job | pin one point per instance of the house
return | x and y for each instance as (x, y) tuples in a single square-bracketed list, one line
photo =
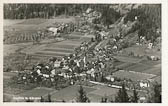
[(91, 72), (53, 29), (39, 72), (88, 10), (110, 78), (144, 84), (150, 45), (57, 63), (53, 72), (153, 58)]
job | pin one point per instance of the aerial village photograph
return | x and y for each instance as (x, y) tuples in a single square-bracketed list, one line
[(82, 53)]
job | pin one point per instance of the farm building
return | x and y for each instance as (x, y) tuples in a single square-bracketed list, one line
[(54, 30)]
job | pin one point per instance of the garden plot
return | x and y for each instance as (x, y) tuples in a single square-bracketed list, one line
[(69, 42), (85, 38), (66, 46), (20, 39), (52, 54), (60, 50), (75, 35)]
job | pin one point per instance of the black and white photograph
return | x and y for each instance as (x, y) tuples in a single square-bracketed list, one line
[(82, 52)]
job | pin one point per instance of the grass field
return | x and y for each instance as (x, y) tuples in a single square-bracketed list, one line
[(127, 59), (134, 76), (154, 70), (69, 93), (8, 75), (37, 92), (33, 21), (138, 67), (94, 93), (58, 49), (150, 63)]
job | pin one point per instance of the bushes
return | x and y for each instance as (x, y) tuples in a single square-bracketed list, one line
[(109, 16)]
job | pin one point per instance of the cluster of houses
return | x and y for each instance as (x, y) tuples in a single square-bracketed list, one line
[(90, 15), (58, 28), (75, 68)]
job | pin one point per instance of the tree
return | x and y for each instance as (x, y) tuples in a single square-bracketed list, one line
[(63, 101), (29, 100), (122, 96), (41, 99), (104, 99), (155, 94), (82, 95), (135, 97), (102, 78), (49, 98), (141, 32), (109, 16)]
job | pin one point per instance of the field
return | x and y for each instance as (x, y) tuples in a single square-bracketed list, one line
[(18, 43), (69, 93), (8, 75), (21, 33), (143, 68), (17, 34), (37, 92), (136, 49), (139, 65), (58, 49), (134, 76), (127, 59), (18, 31), (94, 93)]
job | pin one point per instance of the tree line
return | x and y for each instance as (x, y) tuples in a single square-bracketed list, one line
[(25, 11), (148, 21)]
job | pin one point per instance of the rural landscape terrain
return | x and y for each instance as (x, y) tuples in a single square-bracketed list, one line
[(103, 53)]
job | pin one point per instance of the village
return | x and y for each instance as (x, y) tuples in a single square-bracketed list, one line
[(62, 56)]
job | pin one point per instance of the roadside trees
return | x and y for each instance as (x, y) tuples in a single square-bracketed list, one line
[(135, 97), (82, 95), (155, 94), (122, 96)]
